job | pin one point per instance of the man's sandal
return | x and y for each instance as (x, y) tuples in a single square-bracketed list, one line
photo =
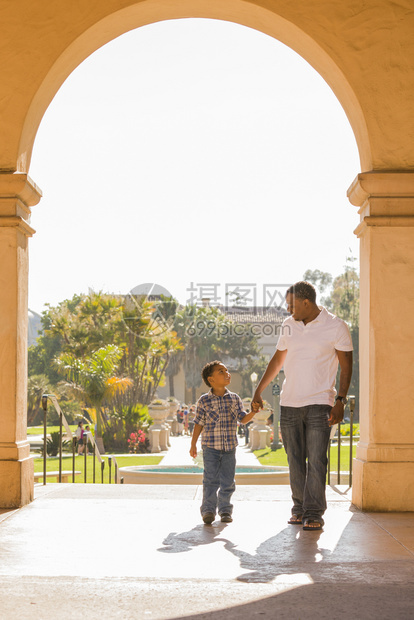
[(312, 524), (295, 520)]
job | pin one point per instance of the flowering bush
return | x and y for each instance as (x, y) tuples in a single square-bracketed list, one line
[(138, 442), (120, 423), (346, 429)]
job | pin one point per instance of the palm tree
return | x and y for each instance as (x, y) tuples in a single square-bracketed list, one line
[(172, 369), (37, 386), (85, 323), (94, 378), (149, 343)]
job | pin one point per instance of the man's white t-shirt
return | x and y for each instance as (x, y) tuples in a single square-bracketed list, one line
[(311, 362)]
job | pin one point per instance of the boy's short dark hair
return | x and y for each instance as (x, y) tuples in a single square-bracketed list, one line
[(208, 371), (303, 290)]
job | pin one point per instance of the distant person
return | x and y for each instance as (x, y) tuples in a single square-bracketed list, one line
[(312, 344), (180, 420), (186, 414), (89, 435), (247, 433), (216, 418), (79, 433), (191, 420)]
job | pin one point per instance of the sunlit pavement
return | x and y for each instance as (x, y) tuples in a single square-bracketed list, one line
[(179, 452), (139, 551)]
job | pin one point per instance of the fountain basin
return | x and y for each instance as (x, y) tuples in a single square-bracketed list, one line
[(191, 474)]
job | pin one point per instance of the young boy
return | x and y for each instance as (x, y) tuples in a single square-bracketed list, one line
[(216, 417)]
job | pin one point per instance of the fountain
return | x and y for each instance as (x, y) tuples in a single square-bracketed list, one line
[(193, 474)]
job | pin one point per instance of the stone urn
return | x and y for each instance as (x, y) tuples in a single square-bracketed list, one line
[(259, 432), (173, 405), (158, 432)]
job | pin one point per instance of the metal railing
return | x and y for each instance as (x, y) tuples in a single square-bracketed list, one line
[(87, 437), (351, 403)]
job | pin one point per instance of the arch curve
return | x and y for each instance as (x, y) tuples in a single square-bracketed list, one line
[(137, 14)]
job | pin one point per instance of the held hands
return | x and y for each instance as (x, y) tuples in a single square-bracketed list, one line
[(254, 408), (257, 403)]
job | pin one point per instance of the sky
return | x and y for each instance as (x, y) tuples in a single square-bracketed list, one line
[(199, 155)]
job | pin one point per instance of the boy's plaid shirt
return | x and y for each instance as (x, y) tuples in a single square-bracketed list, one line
[(218, 415)]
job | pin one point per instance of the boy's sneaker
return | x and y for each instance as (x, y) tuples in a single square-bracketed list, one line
[(208, 518), (226, 517)]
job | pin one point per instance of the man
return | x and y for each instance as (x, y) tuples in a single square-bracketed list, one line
[(312, 343)]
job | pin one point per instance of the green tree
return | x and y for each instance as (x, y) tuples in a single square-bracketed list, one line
[(168, 308), (195, 328), (344, 297), (79, 325), (206, 334), (343, 292), (42, 354), (172, 369), (320, 279), (86, 323), (94, 379), (344, 302), (148, 342)]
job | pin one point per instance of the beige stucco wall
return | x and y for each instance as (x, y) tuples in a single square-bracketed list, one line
[(365, 51)]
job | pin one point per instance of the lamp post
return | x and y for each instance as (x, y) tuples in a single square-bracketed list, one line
[(276, 409), (253, 379), (44, 406)]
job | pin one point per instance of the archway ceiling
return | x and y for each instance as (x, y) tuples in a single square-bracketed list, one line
[(364, 52)]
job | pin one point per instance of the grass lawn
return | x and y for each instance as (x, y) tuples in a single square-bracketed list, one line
[(278, 457), (269, 457), (52, 464), (345, 450)]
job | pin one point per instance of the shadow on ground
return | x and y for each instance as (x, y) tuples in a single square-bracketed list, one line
[(266, 562), (320, 601)]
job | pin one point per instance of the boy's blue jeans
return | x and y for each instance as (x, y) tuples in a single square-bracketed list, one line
[(218, 480), (305, 434)]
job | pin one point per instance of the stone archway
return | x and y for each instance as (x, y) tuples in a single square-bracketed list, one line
[(366, 56), (139, 14)]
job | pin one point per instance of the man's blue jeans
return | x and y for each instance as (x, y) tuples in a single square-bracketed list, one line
[(305, 434), (218, 480)]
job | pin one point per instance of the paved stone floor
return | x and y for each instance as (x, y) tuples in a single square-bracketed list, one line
[(140, 551)]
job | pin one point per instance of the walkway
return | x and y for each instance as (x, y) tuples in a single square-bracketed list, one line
[(139, 551), (179, 453)]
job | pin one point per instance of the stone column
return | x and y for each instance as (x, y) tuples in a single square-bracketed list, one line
[(17, 194), (383, 478)]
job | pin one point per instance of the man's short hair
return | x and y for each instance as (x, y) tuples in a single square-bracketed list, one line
[(208, 371), (303, 290)]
